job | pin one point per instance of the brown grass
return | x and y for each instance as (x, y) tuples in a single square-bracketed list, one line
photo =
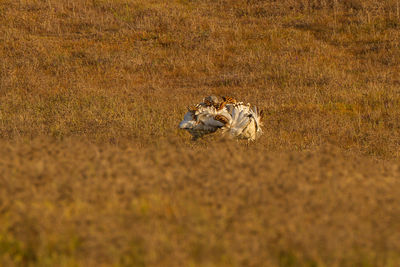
[(93, 170)]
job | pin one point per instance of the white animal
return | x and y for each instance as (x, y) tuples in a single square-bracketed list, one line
[(200, 120), (244, 122), (233, 118)]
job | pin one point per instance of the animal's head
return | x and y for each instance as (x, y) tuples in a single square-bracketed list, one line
[(212, 101)]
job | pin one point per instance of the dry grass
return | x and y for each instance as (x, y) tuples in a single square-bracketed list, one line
[(94, 171)]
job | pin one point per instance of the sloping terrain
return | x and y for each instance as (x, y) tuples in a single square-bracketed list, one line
[(93, 170)]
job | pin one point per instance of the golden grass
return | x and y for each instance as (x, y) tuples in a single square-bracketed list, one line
[(93, 169)]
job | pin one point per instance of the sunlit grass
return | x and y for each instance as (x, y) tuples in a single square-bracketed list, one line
[(93, 169)]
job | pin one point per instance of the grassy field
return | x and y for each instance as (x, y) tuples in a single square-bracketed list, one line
[(94, 172)]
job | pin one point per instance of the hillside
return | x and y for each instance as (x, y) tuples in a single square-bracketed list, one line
[(93, 170)]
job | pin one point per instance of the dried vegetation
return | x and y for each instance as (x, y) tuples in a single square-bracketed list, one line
[(93, 169)]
